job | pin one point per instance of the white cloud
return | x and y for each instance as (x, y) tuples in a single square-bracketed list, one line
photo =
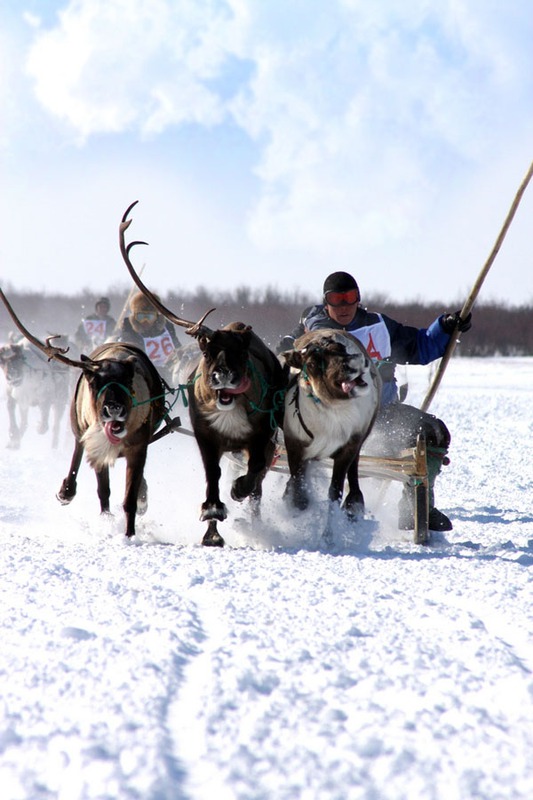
[(370, 121), (120, 64)]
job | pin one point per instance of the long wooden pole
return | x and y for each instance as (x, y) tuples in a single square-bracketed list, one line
[(469, 303)]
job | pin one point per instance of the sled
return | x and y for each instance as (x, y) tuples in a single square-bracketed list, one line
[(409, 467)]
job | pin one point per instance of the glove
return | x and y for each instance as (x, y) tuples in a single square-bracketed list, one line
[(287, 343), (451, 322)]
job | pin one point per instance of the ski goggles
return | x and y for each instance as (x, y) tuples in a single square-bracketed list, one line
[(146, 316), (348, 298)]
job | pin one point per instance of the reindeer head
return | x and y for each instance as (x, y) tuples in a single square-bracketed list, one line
[(11, 362), (225, 362), (112, 391), (333, 363)]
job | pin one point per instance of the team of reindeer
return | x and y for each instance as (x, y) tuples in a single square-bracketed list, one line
[(321, 398)]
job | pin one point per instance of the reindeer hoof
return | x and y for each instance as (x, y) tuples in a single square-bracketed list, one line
[(212, 537), (213, 540), (64, 498), (296, 496), (241, 489), (66, 492), (354, 511)]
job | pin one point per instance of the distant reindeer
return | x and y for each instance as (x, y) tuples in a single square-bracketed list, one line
[(31, 382), (235, 401), (117, 406)]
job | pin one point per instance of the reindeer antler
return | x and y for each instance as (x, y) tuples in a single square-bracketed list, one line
[(195, 329), (50, 351)]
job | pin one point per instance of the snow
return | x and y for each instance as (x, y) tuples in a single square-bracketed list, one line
[(274, 668)]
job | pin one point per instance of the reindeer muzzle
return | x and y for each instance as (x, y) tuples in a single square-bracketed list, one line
[(114, 416), (226, 395)]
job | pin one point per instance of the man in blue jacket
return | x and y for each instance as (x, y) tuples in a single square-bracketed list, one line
[(390, 343)]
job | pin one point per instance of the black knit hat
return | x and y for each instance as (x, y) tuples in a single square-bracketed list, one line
[(340, 282)]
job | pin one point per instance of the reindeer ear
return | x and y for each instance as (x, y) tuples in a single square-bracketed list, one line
[(241, 327), (246, 334), (203, 341), (293, 358)]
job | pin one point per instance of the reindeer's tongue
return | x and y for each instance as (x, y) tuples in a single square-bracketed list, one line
[(111, 429), (243, 386), (347, 386)]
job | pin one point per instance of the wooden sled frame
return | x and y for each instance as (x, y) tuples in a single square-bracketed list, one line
[(409, 467)]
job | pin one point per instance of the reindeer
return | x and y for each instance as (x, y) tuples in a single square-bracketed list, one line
[(235, 399), (32, 383), (117, 406), (330, 407)]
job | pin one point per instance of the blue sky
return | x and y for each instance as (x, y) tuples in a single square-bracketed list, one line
[(268, 144)]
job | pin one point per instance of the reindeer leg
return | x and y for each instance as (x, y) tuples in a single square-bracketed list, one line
[(354, 504), (257, 494), (246, 484), (23, 420), (14, 433), (142, 497), (103, 488), (344, 464), (296, 488), (135, 461), (212, 508), (260, 455), (58, 413), (341, 462), (44, 410), (68, 487)]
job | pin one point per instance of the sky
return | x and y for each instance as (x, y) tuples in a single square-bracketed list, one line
[(275, 668), (268, 144)]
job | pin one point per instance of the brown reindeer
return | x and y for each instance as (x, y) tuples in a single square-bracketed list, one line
[(235, 399), (330, 408), (117, 406)]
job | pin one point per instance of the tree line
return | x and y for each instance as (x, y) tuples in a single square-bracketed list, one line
[(496, 330)]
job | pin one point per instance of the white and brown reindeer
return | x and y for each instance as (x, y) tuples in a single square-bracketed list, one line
[(117, 406), (235, 397), (31, 382), (330, 407)]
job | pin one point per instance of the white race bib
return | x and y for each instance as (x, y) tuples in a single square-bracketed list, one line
[(159, 348), (95, 330), (376, 339)]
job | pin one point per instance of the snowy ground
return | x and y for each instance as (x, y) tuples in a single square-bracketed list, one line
[(272, 669)]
